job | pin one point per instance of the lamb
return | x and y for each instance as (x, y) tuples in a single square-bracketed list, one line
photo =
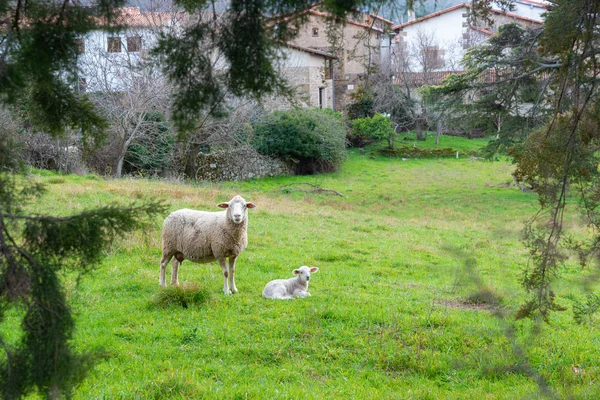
[(289, 288), (202, 237)]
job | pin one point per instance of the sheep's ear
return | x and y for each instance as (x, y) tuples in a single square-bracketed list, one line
[(296, 271), (313, 270), (250, 205), (223, 205)]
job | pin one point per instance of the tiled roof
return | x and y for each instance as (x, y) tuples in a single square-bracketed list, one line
[(481, 30), (387, 21), (311, 51), (464, 5), (132, 17), (348, 21)]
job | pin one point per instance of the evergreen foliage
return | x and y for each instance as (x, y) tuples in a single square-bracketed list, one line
[(34, 251), (361, 105), (311, 141), (555, 142), (152, 152), (501, 75)]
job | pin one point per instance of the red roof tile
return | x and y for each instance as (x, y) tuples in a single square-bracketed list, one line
[(311, 50), (459, 6)]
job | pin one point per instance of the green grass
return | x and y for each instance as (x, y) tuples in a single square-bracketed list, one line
[(462, 144), (399, 309)]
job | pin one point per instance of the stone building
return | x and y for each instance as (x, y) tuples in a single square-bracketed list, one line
[(309, 72), (356, 43)]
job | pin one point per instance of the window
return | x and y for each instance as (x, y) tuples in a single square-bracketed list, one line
[(321, 97), (114, 44), (134, 44), (328, 68), (315, 32), (79, 46)]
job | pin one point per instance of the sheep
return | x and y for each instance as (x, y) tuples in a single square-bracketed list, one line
[(289, 288), (202, 237)]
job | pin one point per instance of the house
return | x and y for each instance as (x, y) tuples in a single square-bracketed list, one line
[(310, 73), (356, 43), (533, 9), (108, 59), (430, 47)]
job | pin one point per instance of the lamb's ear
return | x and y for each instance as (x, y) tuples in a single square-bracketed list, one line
[(223, 205), (250, 205), (313, 270), (296, 271)]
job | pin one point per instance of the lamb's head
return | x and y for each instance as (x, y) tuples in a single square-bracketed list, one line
[(237, 209), (304, 273)]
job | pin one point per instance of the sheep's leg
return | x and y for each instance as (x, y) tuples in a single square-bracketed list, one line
[(232, 274), (163, 268), (223, 264), (175, 272), (301, 293)]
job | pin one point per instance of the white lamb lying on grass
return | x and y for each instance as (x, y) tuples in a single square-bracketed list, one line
[(290, 288)]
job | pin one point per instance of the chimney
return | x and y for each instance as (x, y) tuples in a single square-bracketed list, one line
[(411, 15)]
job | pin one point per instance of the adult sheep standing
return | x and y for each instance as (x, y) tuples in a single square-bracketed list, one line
[(202, 237)]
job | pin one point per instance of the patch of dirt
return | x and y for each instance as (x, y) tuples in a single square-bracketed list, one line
[(463, 305)]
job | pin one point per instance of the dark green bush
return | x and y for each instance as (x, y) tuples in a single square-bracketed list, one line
[(152, 151), (310, 141), (361, 105)]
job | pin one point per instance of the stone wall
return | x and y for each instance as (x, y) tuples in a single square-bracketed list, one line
[(306, 81), (237, 165)]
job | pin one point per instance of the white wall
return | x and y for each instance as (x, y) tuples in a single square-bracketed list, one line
[(447, 32), (528, 10), (110, 71)]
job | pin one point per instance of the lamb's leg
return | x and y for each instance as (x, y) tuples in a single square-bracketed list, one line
[(301, 293), (163, 268), (175, 272), (223, 264), (232, 274)]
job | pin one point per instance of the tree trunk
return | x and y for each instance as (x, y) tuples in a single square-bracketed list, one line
[(419, 130), (119, 170), (439, 132), (499, 128), (120, 159), (191, 156)]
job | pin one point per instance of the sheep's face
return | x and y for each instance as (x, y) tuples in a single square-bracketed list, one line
[(237, 209), (304, 272)]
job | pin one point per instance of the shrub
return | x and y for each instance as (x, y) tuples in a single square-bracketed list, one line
[(310, 141), (376, 128), (151, 153), (361, 105)]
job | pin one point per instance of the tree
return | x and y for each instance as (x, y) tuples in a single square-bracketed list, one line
[(498, 85), (559, 160), (126, 90), (34, 251)]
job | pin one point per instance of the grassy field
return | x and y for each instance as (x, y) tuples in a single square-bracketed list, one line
[(392, 315)]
